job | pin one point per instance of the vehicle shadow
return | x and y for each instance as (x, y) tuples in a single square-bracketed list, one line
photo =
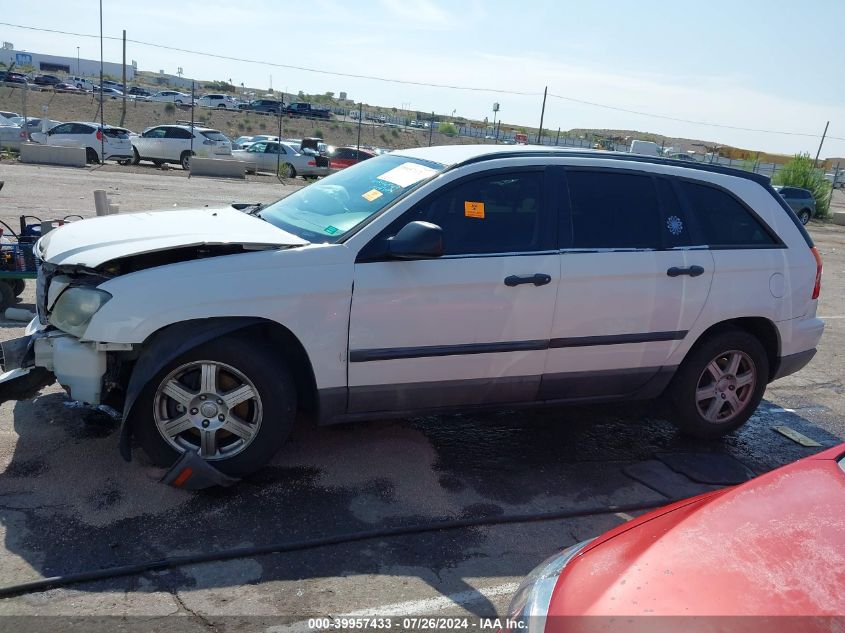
[(69, 503)]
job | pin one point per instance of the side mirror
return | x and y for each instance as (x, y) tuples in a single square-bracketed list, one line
[(416, 240)]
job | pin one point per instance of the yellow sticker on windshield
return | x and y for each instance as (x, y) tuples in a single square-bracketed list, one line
[(372, 194), (474, 210)]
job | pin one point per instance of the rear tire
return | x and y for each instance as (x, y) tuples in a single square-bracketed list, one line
[(805, 216), (720, 384), (91, 155), (286, 170), (239, 363), (158, 163)]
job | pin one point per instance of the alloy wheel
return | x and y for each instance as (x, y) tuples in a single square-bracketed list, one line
[(207, 407), (726, 386)]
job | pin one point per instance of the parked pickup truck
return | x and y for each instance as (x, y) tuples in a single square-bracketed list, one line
[(301, 108)]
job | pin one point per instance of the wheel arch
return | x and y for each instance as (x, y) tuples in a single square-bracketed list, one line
[(168, 343), (763, 329)]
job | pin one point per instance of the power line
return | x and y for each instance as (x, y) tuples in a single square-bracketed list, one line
[(693, 121), (424, 84)]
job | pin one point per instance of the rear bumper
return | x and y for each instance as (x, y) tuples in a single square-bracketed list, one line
[(793, 363), (799, 339)]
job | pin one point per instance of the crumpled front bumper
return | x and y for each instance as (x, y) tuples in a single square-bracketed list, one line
[(79, 367), (20, 378)]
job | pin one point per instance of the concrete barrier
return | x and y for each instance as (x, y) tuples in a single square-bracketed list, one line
[(52, 155), (218, 167), (839, 217)]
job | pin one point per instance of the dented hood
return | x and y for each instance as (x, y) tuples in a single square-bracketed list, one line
[(90, 243)]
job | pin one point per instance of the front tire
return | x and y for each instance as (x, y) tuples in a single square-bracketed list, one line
[(250, 390), (136, 157), (720, 384), (185, 160)]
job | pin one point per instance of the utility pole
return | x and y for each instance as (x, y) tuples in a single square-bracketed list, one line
[(557, 140), (542, 114), (102, 113), (279, 149), (360, 118), (123, 109), (816, 162), (192, 127), (431, 128), (78, 73), (833, 186)]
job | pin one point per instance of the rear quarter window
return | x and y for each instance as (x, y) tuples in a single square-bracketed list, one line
[(722, 219), (214, 135)]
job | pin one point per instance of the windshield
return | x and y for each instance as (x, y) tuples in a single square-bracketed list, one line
[(329, 208)]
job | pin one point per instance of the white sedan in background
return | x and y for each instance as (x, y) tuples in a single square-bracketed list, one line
[(171, 96), (11, 133), (225, 102), (268, 155)]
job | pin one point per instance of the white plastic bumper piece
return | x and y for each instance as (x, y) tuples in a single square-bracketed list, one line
[(78, 367)]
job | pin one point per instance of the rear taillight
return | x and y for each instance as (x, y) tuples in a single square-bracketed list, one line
[(312, 163), (99, 135), (817, 288)]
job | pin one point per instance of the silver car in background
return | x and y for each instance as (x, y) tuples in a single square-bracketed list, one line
[(270, 155)]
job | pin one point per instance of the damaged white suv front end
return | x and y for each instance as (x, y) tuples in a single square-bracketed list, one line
[(73, 287)]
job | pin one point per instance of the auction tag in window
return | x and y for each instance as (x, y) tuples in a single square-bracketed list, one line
[(474, 210), (372, 194), (407, 174)]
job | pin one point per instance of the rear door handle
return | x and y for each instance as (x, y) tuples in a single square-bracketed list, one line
[(692, 271), (538, 279)]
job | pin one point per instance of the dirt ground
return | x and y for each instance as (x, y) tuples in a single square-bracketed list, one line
[(69, 503)]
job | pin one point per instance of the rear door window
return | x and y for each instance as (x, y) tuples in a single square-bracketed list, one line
[(722, 219), (613, 210), (177, 132), (64, 128)]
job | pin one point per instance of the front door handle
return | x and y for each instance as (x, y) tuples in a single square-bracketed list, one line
[(538, 279), (692, 271)]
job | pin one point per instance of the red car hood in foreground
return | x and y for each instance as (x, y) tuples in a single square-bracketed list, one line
[(772, 546)]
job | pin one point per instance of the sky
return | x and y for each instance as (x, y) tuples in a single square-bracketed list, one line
[(773, 65)]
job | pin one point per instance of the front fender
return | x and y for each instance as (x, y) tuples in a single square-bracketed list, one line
[(165, 346)]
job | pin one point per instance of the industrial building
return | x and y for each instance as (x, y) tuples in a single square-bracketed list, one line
[(58, 65)]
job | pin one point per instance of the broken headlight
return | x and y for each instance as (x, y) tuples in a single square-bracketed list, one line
[(75, 307)]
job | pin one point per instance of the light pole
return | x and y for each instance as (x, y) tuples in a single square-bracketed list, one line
[(77, 62)]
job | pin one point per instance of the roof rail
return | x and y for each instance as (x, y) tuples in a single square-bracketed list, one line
[(633, 158)]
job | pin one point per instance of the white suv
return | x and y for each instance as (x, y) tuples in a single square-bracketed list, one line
[(428, 280), (218, 101), (176, 144), (112, 143)]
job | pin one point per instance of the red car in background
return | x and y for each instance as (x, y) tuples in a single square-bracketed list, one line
[(343, 157), (773, 546)]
